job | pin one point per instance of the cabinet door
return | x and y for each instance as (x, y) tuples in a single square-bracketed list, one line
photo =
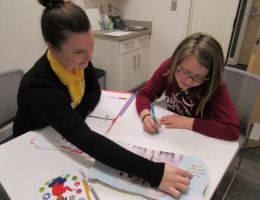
[(134, 67), (141, 70), (128, 66)]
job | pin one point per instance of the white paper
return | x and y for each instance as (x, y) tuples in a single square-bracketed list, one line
[(110, 104), (133, 133)]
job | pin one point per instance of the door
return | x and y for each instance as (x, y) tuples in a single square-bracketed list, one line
[(250, 33), (254, 62), (254, 67)]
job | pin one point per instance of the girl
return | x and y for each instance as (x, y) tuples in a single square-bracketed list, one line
[(194, 90)]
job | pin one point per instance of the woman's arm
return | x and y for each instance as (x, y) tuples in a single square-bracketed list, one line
[(54, 106)]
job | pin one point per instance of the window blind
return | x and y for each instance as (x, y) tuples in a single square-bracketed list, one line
[(215, 18)]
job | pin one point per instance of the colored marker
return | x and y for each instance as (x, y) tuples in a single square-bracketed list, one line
[(153, 113), (85, 184)]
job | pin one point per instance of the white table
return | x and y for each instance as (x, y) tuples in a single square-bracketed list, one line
[(216, 154), (23, 165)]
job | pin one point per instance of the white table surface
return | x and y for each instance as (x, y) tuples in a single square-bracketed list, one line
[(23, 166)]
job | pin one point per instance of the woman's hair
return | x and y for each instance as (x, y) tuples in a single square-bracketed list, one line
[(210, 55), (60, 18)]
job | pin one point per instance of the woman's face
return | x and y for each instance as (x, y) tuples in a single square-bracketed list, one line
[(190, 73), (77, 50)]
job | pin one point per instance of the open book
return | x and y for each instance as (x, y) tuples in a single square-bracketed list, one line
[(134, 185)]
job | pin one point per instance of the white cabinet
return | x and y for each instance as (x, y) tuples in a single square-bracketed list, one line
[(125, 62)]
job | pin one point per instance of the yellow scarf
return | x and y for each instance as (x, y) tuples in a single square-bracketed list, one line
[(74, 81)]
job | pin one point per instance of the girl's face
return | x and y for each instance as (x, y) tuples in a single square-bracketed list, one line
[(77, 51), (190, 73)]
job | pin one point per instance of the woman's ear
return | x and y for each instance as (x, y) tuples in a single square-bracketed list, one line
[(50, 46)]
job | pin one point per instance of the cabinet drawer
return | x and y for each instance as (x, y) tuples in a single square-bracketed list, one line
[(134, 43)]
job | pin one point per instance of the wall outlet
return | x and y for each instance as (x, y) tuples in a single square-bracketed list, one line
[(109, 5), (173, 5)]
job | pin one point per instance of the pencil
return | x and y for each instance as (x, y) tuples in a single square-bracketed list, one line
[(86, 187), (85, 184)]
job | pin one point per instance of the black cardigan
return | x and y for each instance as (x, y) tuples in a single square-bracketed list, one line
[(44, 100)]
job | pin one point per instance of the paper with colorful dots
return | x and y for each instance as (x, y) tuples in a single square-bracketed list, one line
[(67, 186)]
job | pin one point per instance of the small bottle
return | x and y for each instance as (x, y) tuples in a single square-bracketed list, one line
[(106, 21), (110, 24)]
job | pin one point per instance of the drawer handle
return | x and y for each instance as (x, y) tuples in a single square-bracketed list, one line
[(138, 55), (134, 57), (143, 40)]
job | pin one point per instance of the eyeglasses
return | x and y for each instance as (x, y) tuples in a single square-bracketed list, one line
[(186, 74)]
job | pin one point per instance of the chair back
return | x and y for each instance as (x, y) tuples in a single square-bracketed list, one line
[(9, 84), (243, 88)]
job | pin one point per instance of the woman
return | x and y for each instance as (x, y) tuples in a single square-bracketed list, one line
[(61, 89), (194, 90)]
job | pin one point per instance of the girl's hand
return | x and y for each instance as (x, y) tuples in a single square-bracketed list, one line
[(177, 121), (149, 125), (175, 181)]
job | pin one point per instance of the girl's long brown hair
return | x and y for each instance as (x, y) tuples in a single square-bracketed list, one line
[(210, 55)]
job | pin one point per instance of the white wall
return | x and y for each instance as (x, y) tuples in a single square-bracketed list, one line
[(169, 27), (21, 42), (20, 35)]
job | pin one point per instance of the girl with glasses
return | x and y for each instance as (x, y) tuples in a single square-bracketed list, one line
[(192, 81)]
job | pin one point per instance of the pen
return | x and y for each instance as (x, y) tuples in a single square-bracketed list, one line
[(153, 113), (94, 192), (111, 125), (105, 118)]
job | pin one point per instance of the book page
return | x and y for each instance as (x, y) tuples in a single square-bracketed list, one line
[(137, 186)]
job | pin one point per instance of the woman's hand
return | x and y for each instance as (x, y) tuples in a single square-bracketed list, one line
[(175, 181), (149, 125), (177, 121)]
